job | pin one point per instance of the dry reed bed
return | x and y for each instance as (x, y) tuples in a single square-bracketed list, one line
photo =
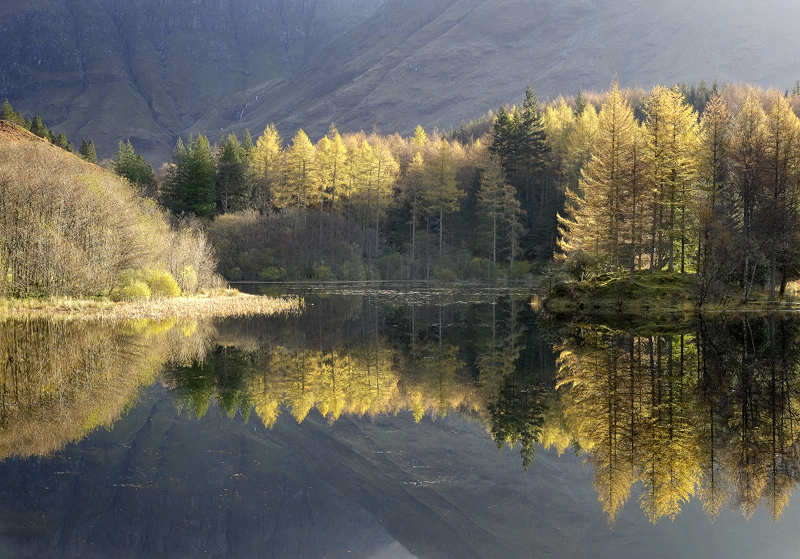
[(216, 306)]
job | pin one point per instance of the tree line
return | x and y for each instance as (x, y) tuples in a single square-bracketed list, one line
[(36, 127), (362, 205), (695, 179), (713, 194)]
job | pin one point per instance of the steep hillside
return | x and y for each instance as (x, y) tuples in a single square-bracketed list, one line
[(148, 70), (154, 70)]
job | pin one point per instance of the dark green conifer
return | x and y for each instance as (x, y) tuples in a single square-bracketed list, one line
[(37, 127), (88, 152), (233, 184), (247, 142), (62, 141), (189, 184), (580, 102), (132, 166), (7, 113)]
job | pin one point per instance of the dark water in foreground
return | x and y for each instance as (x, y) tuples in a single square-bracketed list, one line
[(391, 425)]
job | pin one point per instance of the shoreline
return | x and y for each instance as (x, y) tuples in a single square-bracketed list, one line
[(229, 304)]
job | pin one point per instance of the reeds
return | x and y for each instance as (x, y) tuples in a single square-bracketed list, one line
[(217, 303)]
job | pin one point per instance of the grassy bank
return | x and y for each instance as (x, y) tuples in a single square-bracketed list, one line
[(212, 304), (652, 293), (654, 296)]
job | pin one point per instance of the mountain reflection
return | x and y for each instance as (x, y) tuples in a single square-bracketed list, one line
[(704, 414)]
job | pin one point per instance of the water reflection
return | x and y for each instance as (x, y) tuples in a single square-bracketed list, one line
[(706, 414), (709, 414), (60, 380)]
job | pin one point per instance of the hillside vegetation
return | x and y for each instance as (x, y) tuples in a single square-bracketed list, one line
[(70, 228)]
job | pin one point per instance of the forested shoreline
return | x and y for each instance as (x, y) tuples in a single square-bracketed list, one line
[(696, 180)]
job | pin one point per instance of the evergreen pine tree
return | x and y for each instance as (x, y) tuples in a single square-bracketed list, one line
[(190, 178), (37, 127), (7, 113), (132, 166), (247, 142), (88, 152), (503, 144), (580, 102), (62, 141), (233, 184)]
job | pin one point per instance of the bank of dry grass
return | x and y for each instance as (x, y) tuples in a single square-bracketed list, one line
[(218, 303)]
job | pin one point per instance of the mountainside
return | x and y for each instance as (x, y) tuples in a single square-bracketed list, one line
[(153, 70)]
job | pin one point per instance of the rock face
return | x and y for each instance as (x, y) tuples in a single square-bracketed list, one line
[(153, 70)]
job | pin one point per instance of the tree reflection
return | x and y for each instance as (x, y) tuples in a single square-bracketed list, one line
[(60, 380), (710, 414)]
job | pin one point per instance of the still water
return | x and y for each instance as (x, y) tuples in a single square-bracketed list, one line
[(399, 424)]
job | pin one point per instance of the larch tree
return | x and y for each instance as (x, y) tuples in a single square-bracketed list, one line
[(748, 160), (782, 127), (598, 213), (415, 186), (332, 155), (302, 172), (672, 144), (384, 174), (419, 140), (559, 122), (714, 227), (443, 195), (267, 168), (579, 143)]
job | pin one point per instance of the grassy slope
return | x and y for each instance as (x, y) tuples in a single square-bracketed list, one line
[(659, 296)]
